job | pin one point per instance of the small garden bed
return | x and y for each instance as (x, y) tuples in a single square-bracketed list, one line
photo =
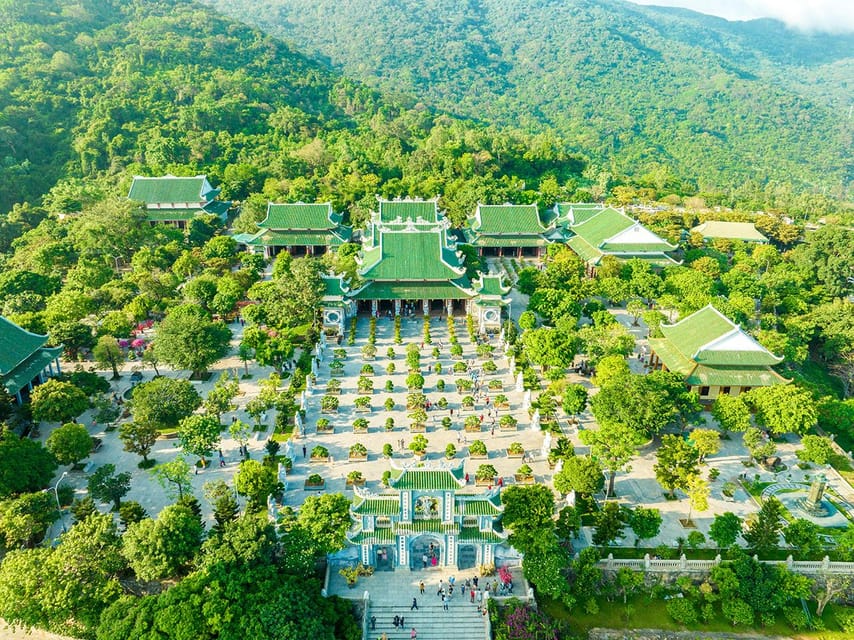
[(324, 426), (314, 482)]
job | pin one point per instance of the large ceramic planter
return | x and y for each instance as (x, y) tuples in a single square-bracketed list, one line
[(353, 458), (318, 459), (515, 455), (314, 487), (526, 479)]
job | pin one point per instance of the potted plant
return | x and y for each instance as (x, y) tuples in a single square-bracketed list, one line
[(388, 450), (386, 478), (442, 403), (419, 420), (369, 351), (501, 401), (468, 402), (350, 575), (390, 369), (414, 382), (390, 354), (389, 404), (333, 387), (336, 368), (450, 451), (456, 351), (319, 454), (496, 385), (358, 452), (360, 425), (460, 368), (524, 475), (507, 423), (435, 352), (389, 424), (438, 368), (416, 401), (351, 335), (464, 385), (440, 384), (367, 370), (355, 478), (389, 386), (339, 354), (472, 424), (418, 446), (484, 350), (477, 449), (314, 482), (363, 404), (365, 386), (329, 404), (515, 450), (485, 474), (489, 366), (446, 422), (324, 426)]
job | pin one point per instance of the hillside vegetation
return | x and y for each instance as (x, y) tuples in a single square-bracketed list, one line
[(642, 90)]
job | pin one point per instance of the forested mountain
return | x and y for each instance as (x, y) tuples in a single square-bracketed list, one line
[(641, 89)]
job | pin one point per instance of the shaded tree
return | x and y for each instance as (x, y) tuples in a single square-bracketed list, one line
[(161, 548), (57, 401), (108, 486), (69, 443), (108, 355), (188, 339)]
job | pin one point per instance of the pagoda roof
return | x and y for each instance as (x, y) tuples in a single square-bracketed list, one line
[(473, 534), (21, 375), (709, 338), (16, 345), (611, 230), (334, 286), (508, 219), (377, 505), (300, 216), (380, 535), (745, 231), (171, 189), (427, 478), (458, 289), (577, 212), (408, 210), (479, 505), (277, 238), (168, 214), (508, 241), (411, 254), (491, 286)]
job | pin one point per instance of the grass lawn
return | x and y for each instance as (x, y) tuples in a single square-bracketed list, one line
[(643, 612)]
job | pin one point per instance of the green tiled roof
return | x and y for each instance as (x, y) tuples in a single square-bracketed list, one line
[(696, 330), (427, 526), (671, 357), (735, 358), (745, 231), (580, 211), (168, 215), (16, 345), (414, 291), (379, 506), (477, 508), (245, 238), (334, 286), (734, 376), (584, 249), (217, 207), (408, 210), (411, 255), (508, 219), (603, 225), (639, 248), (491, 286), (300, 216), (377, 536), (427, 479), (21, 376), (509, 241), (653, 259), (473, 534), (271, 238), (168, 189)]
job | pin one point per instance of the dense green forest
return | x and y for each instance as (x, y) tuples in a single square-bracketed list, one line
[(642, 90)]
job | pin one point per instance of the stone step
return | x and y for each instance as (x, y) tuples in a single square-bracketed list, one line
[(461, 622)]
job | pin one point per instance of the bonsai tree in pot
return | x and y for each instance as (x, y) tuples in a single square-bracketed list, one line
[(418, 446), (333, 387), (507, 423), (435, 352), (416, 401), (489, 366), (460, 367), (496, 385), (438, 368), (355, 478), (358, 451), (360, 425), (501, 401), (477, 449), (319, 452), (390, 369), (314, 480), (329, 404), (440, 384), (524, 474), (515, 450), (468, 402), (323, 424), (415, 382), (419, 420), (339, 354), (450, 451), (456, 350), (388, 450), (485, 473), (464, 385), (363, 403), (365, 385), (484, 350), (472, 424), (390, 354), (446, 422), (389, 404), (389, 424), (367, 370), (389, 386), (442, 403), (369, 351)]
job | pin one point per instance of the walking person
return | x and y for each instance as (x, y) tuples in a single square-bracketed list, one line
[(424, 564), (444, 603), (421, 586), (373, 623), (413, 634), (304, 451), (414, 605)]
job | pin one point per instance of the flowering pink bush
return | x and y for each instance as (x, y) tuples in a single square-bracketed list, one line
[(504, 575), (518, 621)]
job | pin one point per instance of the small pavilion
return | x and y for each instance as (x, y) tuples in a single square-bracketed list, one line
[(720, 230), (24, 360), (298, 228), (714, 355), (427, 512), (515, 230), (176, 200)]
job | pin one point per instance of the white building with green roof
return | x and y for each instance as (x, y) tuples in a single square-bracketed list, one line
[(598, 231), (300, 229), (177, 200), (427, 512), (517, 230), (25, 361), (715, 355)]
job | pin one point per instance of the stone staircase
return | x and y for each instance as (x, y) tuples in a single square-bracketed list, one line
[(462, 621)]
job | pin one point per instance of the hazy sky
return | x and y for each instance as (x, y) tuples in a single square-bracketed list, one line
[(811, 15)]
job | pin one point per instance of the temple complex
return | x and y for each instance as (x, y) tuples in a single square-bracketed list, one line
[(176, 201), (300, 229), (513, 230)]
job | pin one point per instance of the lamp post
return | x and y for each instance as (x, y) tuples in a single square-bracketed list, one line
[(56, 495)]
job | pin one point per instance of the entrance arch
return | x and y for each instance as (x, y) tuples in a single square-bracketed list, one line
[(426, 545)]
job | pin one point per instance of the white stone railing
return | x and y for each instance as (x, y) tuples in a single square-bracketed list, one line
[(683, 565)]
